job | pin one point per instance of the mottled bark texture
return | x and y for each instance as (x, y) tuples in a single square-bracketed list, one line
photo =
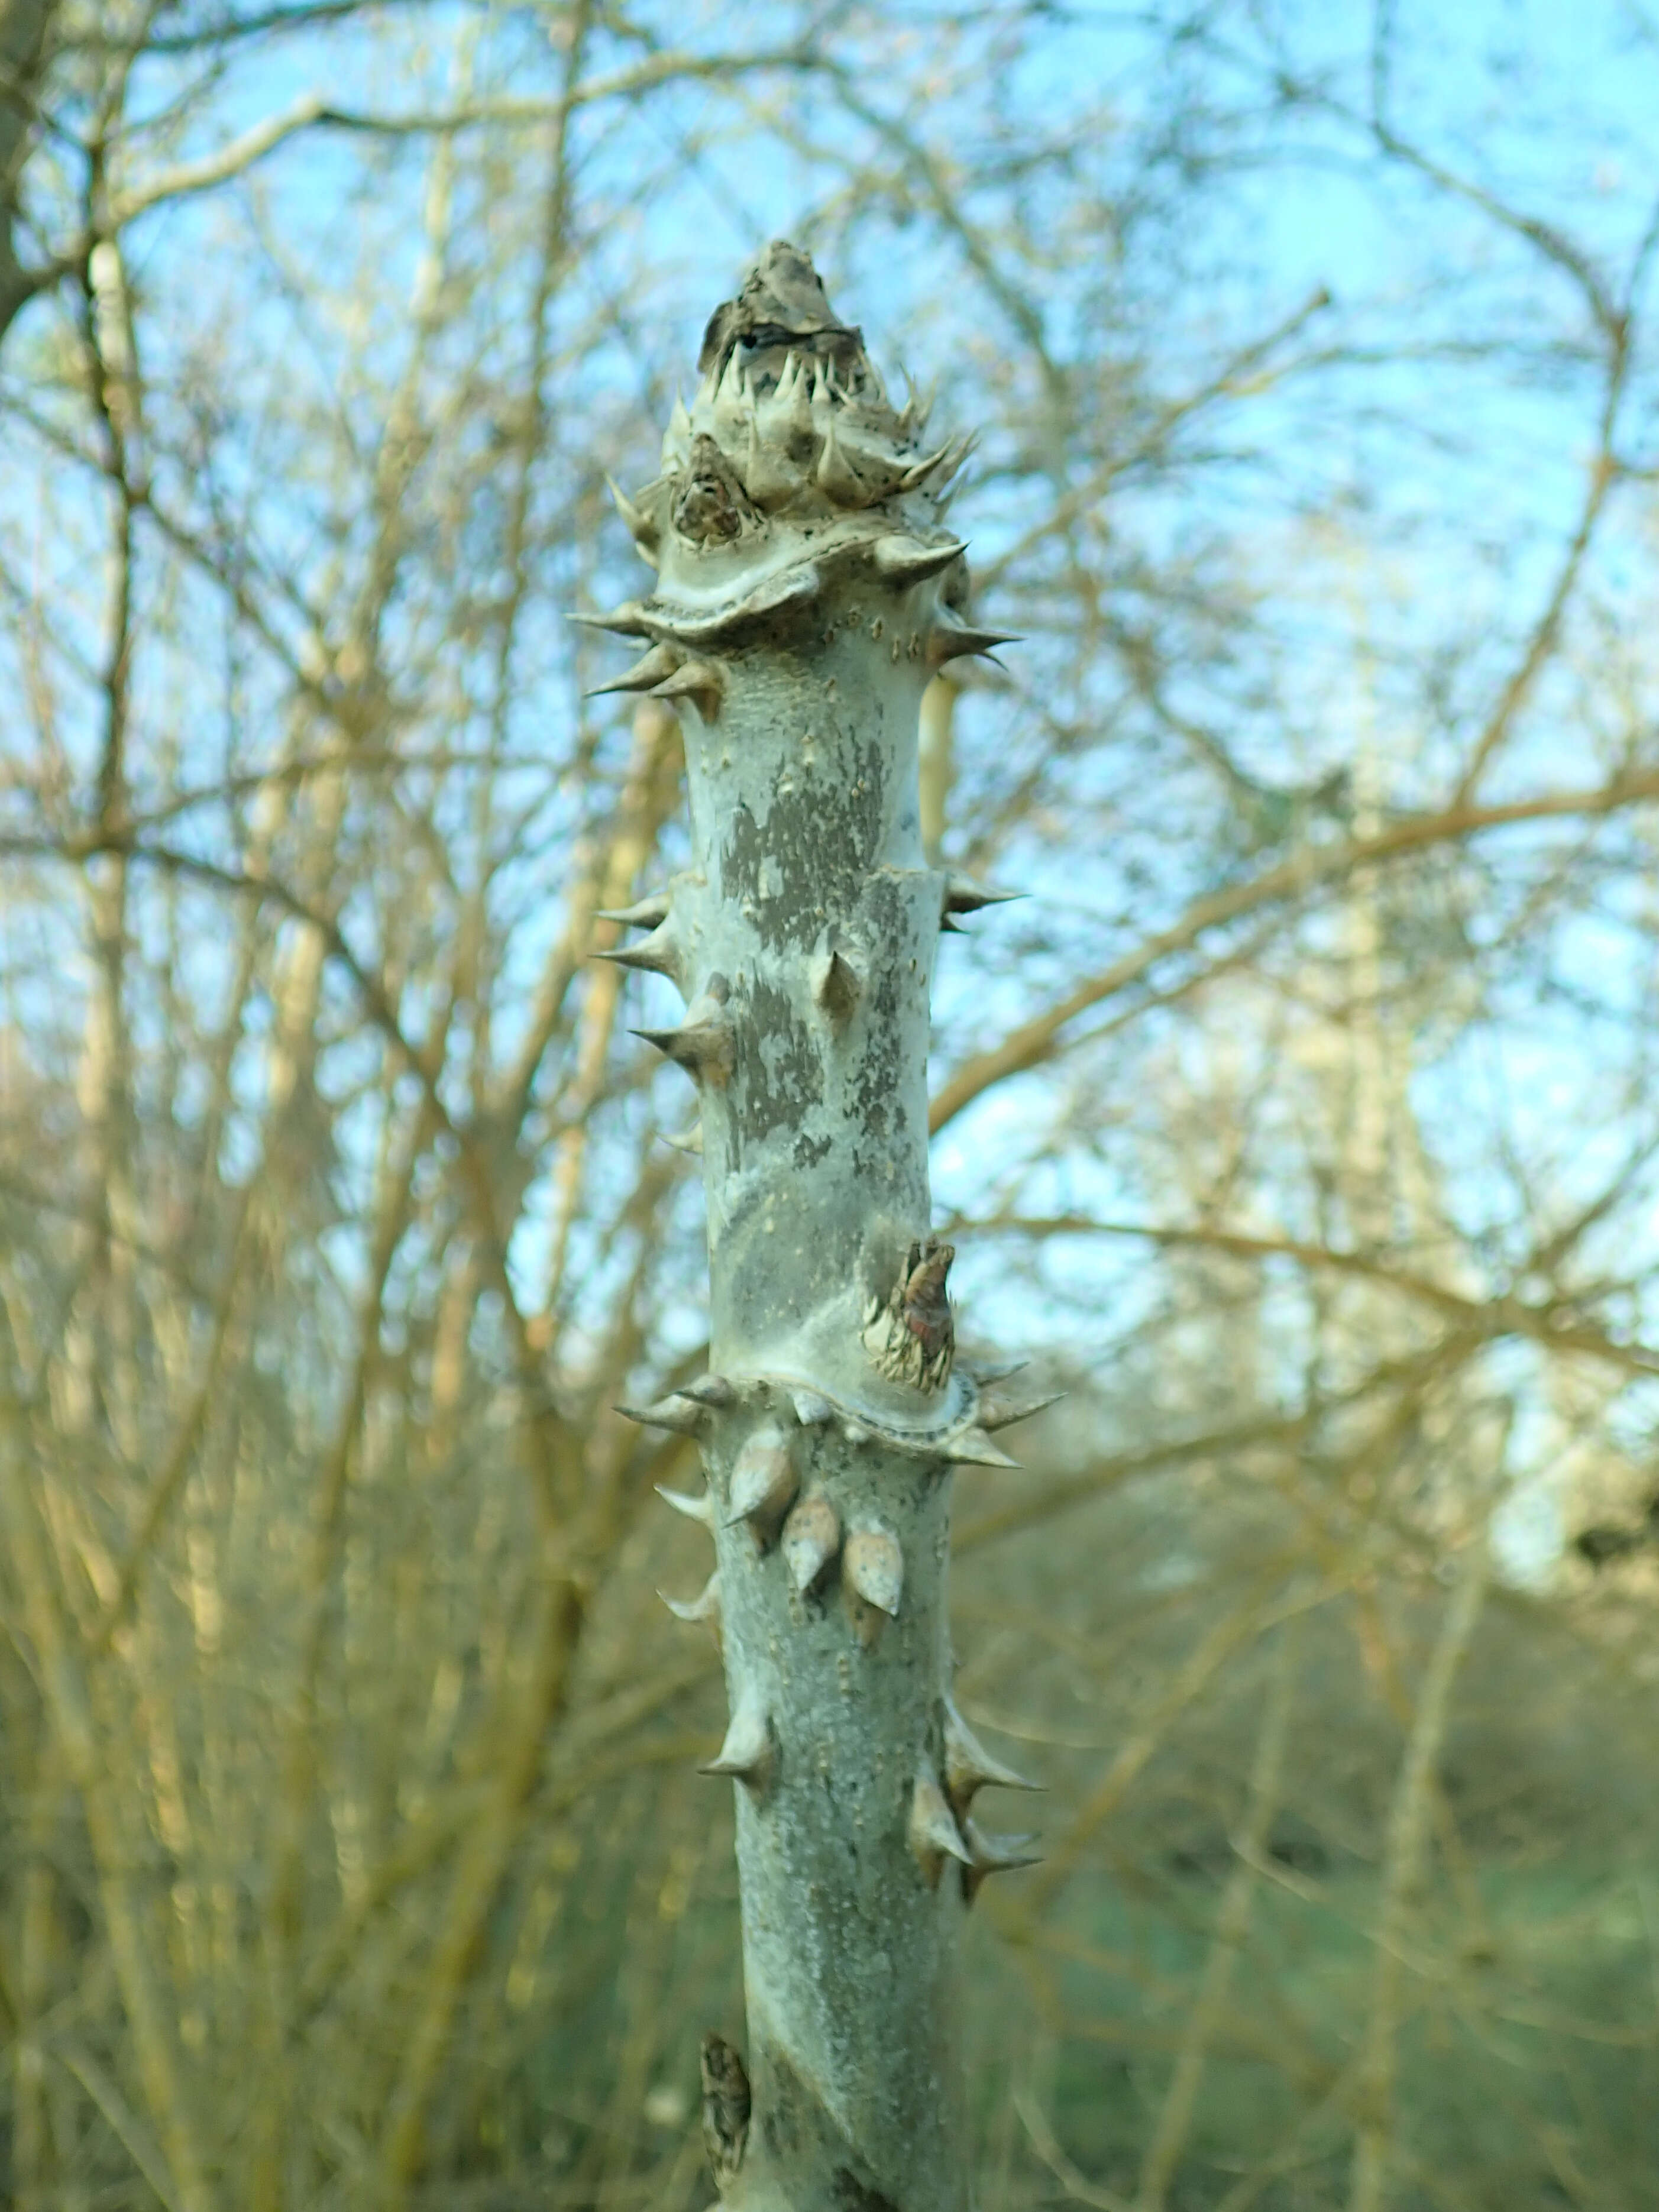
[(806, 593)]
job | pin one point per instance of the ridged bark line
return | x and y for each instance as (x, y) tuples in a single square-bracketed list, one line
[(807, 593)]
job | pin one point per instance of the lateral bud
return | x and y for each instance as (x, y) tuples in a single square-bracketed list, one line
[(910, 1335), (812, 1537), (763, 1483), (968, 1767), (872, 1579), (933, 1832), (727, 2104), (749, 1751)]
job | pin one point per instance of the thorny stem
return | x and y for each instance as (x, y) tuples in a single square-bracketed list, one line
[(806, 595)]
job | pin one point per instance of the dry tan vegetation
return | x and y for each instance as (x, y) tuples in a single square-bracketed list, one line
[(1301, 1124)]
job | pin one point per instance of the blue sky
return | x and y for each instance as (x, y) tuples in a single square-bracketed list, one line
[(1411, 502)]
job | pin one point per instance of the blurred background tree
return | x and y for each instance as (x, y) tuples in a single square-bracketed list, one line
[(1302, 1123)]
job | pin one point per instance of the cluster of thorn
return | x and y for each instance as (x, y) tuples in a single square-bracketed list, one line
[(685, 640), (702, 1042), (785, 434), (763, 1493), (790, 430), (791, 417), (967, 1441)]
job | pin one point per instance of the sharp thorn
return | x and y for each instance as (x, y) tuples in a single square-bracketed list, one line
[(948, 458), (954, 454), (658, 954), (970, 1767), (795, 385), (681, 1414), (677, 440), (706, 1606), (919, 406), (990, 1855), (703, 1043), (625, 621), (964, 896), (684, 1140), (832, 474), (648, 671), (905, 560), (695, 1509), (748, 1752), (919, 471), (973, 1448), (933, 1832), (648, 913), (950, 640), (644, 532), (698, 681), (996, 1413)]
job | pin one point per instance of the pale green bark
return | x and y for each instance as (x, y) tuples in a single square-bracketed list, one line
[(807, 591)]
